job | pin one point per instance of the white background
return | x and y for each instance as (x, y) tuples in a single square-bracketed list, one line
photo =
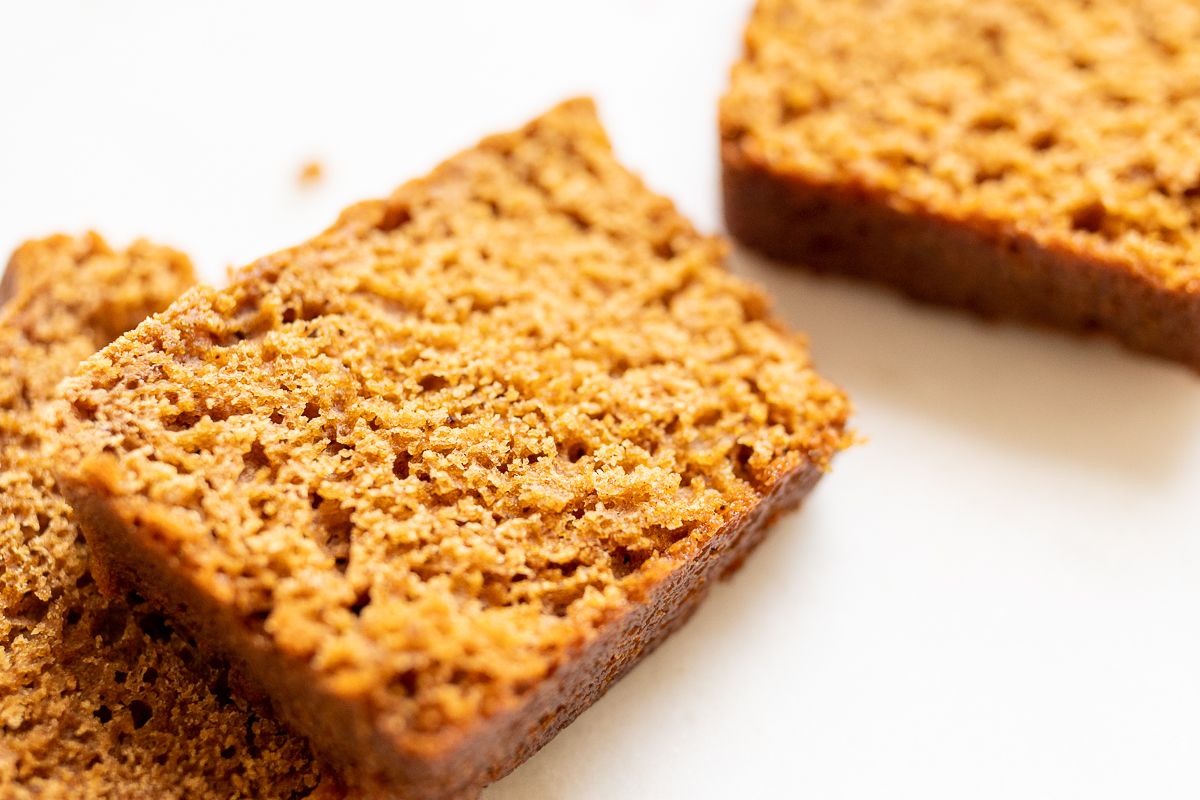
[(997, 596)]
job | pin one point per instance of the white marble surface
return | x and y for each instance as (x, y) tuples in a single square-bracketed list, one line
[(997, 596)]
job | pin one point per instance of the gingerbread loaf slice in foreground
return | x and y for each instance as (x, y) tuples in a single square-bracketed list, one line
[(1031, 159), (435, 478), (100, 698)]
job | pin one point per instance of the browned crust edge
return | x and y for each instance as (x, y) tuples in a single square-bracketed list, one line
[(123, 557), (852, 230)]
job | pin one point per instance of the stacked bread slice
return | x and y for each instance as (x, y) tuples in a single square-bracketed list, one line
[(101, 697)]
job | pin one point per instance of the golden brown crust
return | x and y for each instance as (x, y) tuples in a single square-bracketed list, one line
[(437, 476), (851, 231), (985, 154), (99, 698)]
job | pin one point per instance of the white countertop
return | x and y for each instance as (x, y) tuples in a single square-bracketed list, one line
[(997, 596)]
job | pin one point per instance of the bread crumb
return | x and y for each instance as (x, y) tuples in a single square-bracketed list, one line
[(311, 173)]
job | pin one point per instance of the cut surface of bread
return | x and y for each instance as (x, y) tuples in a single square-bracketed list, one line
[(99, 698), (438, 476), (1029, 159)]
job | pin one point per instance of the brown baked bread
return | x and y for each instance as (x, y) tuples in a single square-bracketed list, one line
[(99, 698), (437, 477), (1028, 159)]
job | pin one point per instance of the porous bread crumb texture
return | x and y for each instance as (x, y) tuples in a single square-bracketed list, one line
[(99, 698), (1070, 121), (432, 451)]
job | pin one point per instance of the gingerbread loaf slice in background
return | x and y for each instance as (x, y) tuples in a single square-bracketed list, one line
[(435, 478), (100, 698), (1035, 160)]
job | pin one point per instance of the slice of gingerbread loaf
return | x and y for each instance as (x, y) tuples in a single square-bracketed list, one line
[(1032, 159), (437, 477), (100, 698)]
